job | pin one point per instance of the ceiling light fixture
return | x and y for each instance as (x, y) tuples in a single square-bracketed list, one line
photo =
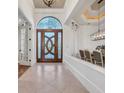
[(49, 2), (100, 34), (75, 26)]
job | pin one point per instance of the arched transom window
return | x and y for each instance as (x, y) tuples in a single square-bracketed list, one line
[(49, 23)]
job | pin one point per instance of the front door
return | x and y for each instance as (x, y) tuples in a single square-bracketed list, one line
[(49, 45)]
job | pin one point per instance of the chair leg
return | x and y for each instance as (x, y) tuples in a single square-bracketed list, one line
[(91, 61), (102, 64), (94, 62)]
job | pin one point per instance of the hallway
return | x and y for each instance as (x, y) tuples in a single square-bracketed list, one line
[(49, 78)]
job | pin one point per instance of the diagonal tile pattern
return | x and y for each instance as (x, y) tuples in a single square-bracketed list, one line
[(49, 78)]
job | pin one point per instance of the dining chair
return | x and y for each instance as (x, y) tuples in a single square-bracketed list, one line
[(82, 54), (88, 56), (98, 58)]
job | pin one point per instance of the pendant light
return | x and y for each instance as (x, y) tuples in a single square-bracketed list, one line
[(49, 2), (100, 34)]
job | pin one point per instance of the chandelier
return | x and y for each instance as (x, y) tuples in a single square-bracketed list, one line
[(49, 2), (100, 34)]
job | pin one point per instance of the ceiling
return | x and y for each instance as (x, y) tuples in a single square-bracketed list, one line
[(92, 13), (57, 4), (95, 10), (96, 5)]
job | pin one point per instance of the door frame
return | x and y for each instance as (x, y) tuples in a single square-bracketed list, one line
[(49, 30)]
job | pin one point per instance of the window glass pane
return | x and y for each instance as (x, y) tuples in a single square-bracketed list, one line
[(39, 45), (46, 51), (59, 45), (49, 23), (49, 34), (53, 40), (49, 56), (53, 50)]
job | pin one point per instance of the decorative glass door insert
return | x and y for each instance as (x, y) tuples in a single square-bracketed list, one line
[(49, 45)]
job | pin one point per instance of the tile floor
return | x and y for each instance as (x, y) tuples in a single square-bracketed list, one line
[(49, 78)]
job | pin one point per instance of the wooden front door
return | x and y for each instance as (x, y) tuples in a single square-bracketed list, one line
[(49, 45)]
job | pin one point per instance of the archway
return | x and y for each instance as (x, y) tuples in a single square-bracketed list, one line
[(49, 40)]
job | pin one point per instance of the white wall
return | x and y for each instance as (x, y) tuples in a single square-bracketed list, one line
[(69, 6), (41, 13), (73, 41), (67, 40), (27, 8), (85, 40), (81, 38)]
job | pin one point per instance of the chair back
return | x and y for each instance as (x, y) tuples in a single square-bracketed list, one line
[(82, 54), (88, 56), (98, 57)]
